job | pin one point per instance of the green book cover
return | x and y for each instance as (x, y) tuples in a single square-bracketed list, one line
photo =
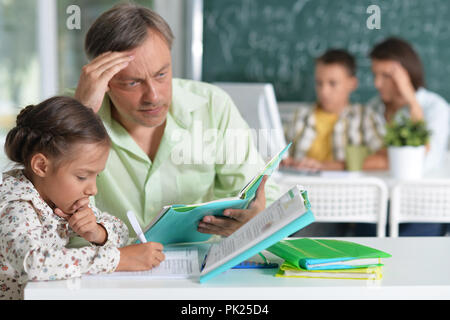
[(368, 273), (323, 254)]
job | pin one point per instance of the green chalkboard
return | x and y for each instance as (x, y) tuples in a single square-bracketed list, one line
[(277, 40)]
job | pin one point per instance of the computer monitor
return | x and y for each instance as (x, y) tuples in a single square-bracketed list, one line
[(258, 106)]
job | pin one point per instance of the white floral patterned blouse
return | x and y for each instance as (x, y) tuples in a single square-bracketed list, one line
[(33, 240)]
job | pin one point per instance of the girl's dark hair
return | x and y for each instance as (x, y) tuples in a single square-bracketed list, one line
[(399, 50), (51, 128)]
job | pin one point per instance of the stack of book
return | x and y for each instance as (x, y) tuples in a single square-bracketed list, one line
[(326, 258)]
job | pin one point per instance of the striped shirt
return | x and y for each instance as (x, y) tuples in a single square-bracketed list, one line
[(357, 125)]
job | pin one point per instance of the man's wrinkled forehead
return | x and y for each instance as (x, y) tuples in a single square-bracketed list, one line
[(136, 72), (131, 72), (150, 58)]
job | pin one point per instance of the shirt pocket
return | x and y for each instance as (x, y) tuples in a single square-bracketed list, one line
[(195, 187)]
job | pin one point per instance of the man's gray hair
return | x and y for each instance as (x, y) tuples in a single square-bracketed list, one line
[(124, 27)]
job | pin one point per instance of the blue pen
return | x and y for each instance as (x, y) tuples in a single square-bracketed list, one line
[(204, 259), (255, 265)]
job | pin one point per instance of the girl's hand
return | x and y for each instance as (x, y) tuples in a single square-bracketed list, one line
[(84, 223), (140, 257)]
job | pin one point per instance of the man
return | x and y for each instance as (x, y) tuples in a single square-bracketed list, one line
[(173, 141), (399, 79)]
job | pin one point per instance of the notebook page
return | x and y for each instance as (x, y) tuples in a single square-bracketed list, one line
[(179, 263)]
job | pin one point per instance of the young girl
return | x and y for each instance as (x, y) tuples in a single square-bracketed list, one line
[(61, 146)]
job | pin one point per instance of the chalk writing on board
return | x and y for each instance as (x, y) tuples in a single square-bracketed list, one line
[(278, 41)]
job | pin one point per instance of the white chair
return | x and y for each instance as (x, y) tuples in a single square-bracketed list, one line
[(347, 200), (424, 201)]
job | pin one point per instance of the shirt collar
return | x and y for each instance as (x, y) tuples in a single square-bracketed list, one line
[(343, 113)]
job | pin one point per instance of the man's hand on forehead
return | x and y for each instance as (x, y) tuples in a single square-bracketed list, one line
[(95, 76)]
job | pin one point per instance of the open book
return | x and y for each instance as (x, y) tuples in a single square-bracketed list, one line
[(282, 218), (178, 223), (288, 214)]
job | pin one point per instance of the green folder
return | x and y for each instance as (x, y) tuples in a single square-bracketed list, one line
[(178, 223), (287, 270), (326, 254)]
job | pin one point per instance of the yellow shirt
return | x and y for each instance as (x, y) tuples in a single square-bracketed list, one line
[(322, 147)]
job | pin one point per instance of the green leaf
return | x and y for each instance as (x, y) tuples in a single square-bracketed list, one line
[(405, 132)]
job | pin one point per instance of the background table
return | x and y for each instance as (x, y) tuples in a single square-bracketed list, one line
[(287, 179), (419, 269)]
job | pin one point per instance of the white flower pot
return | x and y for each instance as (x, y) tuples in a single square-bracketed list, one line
[(406, 163)]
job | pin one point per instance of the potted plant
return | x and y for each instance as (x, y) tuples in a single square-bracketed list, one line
[(405, 140)]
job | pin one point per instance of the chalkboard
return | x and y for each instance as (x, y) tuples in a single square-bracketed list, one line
[(277, 41)]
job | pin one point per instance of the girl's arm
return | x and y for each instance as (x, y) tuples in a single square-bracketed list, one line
[(116, 229), (36, 250)]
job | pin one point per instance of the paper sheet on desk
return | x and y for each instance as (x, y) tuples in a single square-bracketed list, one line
[(179, 264)]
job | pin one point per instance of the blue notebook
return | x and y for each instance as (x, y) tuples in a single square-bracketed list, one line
[(282, 218), (178, 223)]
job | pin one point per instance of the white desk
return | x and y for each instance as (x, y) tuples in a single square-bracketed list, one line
[(442, 172), (286, 179), (419, 269)]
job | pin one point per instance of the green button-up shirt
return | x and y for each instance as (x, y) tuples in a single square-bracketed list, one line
[(206, 153)]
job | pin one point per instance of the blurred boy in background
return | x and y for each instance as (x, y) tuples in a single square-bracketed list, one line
[(321, 132)]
